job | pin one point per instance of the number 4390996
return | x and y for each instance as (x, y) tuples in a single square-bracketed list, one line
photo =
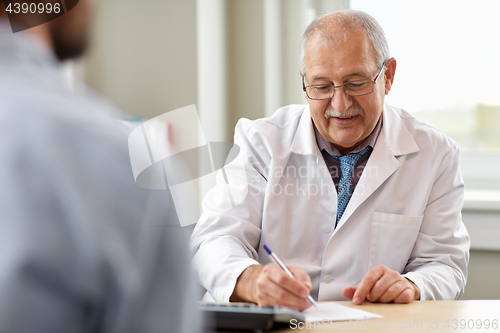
[(471, 324), (33, 8)]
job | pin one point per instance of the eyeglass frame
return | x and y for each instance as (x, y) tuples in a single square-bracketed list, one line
[(342, 86)]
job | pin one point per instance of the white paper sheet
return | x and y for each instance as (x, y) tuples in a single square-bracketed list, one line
[(335, 312)]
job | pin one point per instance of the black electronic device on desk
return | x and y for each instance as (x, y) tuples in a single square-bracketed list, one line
[(248, 317)]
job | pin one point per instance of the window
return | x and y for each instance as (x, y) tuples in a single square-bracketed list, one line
[(448, 74)]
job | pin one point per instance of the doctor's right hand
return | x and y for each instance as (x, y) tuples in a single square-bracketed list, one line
[(270, 285)]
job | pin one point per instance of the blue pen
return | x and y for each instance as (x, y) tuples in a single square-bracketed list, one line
[(282, 265)]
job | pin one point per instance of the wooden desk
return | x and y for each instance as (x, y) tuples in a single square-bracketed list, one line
[(420, 316)]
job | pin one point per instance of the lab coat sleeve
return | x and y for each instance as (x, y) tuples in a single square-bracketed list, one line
[(226, 237), (439, 260)]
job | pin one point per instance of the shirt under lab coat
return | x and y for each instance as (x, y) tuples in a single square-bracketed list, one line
[(405, 212)]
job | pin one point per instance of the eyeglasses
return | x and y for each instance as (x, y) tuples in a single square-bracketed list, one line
[(351, 88)]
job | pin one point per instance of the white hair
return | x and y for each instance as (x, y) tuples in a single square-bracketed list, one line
[(344, 22)]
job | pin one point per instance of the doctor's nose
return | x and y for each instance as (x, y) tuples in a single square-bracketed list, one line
[(341, 101)]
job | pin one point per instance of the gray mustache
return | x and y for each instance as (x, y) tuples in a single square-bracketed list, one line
[(351, 112)]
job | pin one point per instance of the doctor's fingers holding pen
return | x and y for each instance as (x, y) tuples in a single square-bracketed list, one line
[(270, 285)]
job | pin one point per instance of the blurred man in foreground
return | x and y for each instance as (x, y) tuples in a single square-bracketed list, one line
[(82, 247)]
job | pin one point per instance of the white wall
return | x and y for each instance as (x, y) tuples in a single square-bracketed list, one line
[(484, 275), (143, 55), (484, 267)]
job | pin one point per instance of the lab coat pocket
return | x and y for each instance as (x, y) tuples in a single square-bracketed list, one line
[(392, 239)]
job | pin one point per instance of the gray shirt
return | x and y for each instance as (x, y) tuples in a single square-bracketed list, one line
[(82, 247)]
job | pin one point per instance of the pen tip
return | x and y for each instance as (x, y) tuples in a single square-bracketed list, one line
[(266, 248)]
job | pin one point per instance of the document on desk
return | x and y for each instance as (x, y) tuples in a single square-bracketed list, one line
[(331, 311)]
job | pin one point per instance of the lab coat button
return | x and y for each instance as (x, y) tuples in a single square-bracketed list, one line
[(326, 228), (328, 279)]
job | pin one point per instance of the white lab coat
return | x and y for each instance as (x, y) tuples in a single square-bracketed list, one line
[(404, 212)]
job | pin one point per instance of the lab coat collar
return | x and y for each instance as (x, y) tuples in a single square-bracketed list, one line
[(395, 134), (304, 142), (395, 140)]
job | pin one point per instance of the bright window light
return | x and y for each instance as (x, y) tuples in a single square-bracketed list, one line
[(448, 72)]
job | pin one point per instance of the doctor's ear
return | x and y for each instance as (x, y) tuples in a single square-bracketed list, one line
[(389, 74), (302, 81)]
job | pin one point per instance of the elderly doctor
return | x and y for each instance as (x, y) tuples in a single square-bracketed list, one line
[(359, 199)]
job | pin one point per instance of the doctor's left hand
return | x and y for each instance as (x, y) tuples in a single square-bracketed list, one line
[(384, 285)]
